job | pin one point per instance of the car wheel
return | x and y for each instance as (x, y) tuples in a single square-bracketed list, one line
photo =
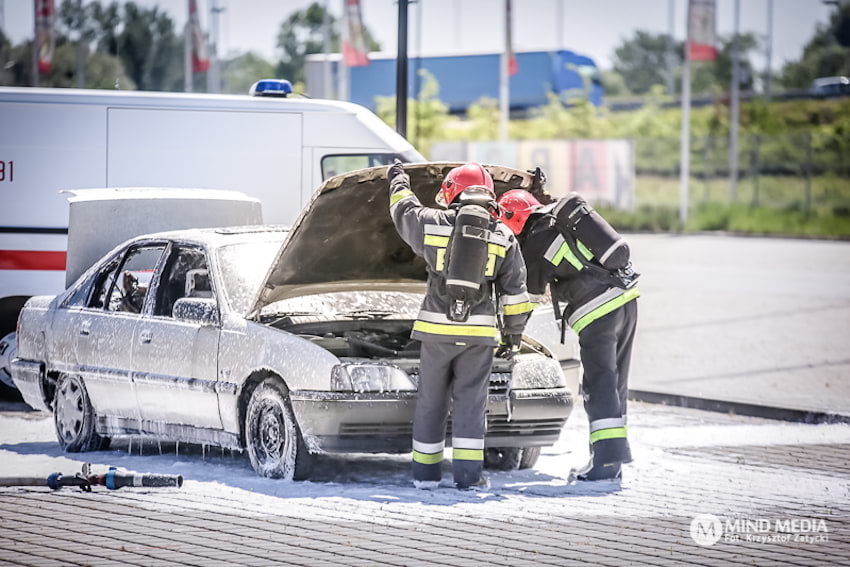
[(8, 346), (275, 445), (74, 417), (502, 458), (529, 457)]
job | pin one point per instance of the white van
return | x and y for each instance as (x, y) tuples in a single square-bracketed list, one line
[(276, 149)]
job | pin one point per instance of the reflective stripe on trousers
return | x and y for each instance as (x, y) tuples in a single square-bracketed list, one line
[(608, 428)]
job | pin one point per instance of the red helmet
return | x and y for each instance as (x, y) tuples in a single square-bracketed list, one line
[(515, 207), (459, 179)]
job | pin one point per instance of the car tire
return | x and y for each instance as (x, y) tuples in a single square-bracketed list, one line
[(502, 458), (74, 417), (529, 457), (274, 442)]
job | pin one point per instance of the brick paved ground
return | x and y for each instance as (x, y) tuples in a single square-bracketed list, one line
[(361, 511)]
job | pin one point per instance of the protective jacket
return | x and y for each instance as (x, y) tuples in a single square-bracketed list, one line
[(581, 295), (427, 231)]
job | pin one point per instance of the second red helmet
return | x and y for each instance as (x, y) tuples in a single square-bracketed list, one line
[(459, 179), (515, 207)]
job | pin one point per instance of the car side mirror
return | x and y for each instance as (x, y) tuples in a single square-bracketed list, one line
[(201, 310)]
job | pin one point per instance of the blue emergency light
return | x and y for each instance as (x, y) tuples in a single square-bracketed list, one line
[(271, 87)]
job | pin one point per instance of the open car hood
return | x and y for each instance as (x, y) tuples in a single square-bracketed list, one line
[(345, 240)]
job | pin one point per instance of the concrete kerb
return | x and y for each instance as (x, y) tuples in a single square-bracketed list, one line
[(738, 407)]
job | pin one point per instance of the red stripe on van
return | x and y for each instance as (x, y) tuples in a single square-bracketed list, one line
[(32, 260)]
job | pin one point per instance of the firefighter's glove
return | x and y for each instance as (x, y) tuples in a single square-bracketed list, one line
[(509, 346), (396, 169), (538, 186)]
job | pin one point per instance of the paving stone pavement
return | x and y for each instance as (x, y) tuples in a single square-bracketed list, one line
[(361, 510)]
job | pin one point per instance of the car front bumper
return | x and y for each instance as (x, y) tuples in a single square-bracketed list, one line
[(339, 422)]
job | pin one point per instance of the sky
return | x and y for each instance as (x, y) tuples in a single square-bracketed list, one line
[(591, 27)]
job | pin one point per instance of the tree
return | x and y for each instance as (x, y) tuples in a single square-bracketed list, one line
[(302, 34), (240, 72), (103, 70), (427, 114), (642, 60), (826, 54), (145, 41)]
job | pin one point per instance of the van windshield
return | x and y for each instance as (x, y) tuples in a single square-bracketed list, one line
[(338, 164)]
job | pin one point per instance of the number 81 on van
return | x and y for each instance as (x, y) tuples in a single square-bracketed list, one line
[(7, 171)]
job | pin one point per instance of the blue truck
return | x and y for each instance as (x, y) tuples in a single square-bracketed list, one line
[(464, 79)]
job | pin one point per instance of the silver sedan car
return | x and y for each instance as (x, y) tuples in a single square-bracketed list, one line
[(285, 343)]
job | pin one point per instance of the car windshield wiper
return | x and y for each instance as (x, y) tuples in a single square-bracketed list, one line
[(366, 314), (278, 316)]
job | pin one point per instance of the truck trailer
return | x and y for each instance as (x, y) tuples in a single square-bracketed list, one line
[(465, 79)]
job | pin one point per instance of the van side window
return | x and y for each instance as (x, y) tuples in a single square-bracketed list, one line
[(131, 283), (186, 274), (333, 165)]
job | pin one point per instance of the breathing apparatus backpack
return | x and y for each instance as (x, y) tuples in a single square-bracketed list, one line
[(578, 222), (467, 255)]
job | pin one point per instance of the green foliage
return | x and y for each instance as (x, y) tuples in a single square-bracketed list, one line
[(240, 72), (302, 34), (716, 76), (614, 83), (641, 61), (483, 118), (826, 54), (426, 117)]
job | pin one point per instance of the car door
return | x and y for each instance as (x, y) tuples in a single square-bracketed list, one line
[(175, 360), (105, 330)]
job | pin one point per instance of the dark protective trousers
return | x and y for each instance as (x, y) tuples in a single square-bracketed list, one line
[(458, 375), (606, 350)]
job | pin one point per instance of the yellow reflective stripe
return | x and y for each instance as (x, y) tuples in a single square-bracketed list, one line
[(611, 433), (565, 252), (496, 249), (491, 265), (441, 259), (519, 308), (584, 250), (461, 330), (432, 240), (605, 309), (427, 458), (399, 195), (468, 454)]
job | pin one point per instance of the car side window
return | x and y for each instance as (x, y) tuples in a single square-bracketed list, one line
[(131, 282), (103, 283), (186, 274), (80, 297)]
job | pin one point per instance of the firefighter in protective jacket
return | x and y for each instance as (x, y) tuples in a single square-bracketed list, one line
[(569, 247), (470, 255)]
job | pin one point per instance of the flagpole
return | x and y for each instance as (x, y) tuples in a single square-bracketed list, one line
[(504, 92), (735, 107), (343, 66), (35, 43), (326, 48), (685, 143), (187, 58)]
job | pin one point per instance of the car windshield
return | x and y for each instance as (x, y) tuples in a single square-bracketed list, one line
[(243, 267)]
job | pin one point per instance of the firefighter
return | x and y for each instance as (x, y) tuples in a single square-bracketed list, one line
[(595, 284), (470, 255)]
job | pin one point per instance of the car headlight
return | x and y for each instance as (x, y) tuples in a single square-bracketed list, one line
[(537, 372), (370, 378)]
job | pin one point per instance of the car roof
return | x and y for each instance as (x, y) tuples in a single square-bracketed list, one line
[(221, 236)]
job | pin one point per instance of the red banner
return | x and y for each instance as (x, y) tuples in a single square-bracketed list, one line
[(354, 48), (45, 16), (702, 30), (200, 60)]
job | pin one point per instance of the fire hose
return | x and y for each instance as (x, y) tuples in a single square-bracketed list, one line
[(112, 480)]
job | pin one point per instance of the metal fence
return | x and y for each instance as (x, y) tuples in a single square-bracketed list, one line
[(796, 170)]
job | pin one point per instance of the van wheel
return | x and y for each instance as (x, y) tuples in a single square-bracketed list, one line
[(74, 417), (502, 458), (529, 457), (274, 441)]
